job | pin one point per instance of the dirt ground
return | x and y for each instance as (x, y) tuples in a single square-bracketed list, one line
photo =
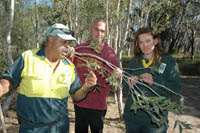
[(190, 90)]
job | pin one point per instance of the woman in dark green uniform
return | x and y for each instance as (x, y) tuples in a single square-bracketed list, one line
[(148, 54)]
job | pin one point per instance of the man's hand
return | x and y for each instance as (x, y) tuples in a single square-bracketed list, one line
[(117, 71), (133, 80), (69, 52), (5, 86), (1, 90), (90, 81)]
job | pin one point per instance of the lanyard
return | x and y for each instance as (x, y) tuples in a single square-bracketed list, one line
[(146, 65)]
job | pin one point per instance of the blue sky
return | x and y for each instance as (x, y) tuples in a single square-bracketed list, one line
[(41, 1), (46, 1)]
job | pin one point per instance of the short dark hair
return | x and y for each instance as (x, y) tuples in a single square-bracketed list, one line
[(98, 20)]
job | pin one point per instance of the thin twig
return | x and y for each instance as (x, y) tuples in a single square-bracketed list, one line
[(141, 83), (167, 89), (101, 59), (82, 59), (136, 68)]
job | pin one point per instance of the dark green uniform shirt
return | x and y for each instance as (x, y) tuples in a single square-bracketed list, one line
[(169, 78)]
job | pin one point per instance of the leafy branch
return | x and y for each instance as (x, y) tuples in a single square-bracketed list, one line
[(111, 79), (95, 46)]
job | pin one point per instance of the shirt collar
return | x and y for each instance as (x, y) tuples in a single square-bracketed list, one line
[(41, 52)]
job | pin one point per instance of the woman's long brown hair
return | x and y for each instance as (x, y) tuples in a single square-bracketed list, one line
[(158, 48)]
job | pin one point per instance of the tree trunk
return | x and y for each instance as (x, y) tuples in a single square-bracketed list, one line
[(192, 43), (2, 120), (36, 25), (119, 101), (116, 28), (107, 22), (7, 103), (123, 29), (9, 59), (8, 35)]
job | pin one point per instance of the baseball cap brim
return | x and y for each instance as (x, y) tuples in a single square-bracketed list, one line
[(62, 31), (66, 37)]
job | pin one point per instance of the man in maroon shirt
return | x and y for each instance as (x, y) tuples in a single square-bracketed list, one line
[(91, 110)]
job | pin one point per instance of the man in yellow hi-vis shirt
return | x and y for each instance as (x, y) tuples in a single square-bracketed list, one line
[(45, 79)]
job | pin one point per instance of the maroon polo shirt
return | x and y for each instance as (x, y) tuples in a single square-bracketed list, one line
[(95, 99)]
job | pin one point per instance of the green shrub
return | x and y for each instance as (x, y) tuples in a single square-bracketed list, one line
[(125, 61)]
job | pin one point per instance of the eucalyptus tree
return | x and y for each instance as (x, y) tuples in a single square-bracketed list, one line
[(122, 31), (178, 25), (25, 35), (155, 13), (82, 13), (191, 23), (9, 57), (4, 13), (2, 5)]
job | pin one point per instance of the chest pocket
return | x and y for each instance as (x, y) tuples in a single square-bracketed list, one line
[(63, 83), (39, 80)]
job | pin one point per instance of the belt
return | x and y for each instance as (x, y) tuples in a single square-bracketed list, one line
[(40, 123)]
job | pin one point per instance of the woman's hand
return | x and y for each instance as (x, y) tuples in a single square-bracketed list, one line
[(147, 77)]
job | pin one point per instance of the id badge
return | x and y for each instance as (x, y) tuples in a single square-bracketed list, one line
[(162, 68)]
